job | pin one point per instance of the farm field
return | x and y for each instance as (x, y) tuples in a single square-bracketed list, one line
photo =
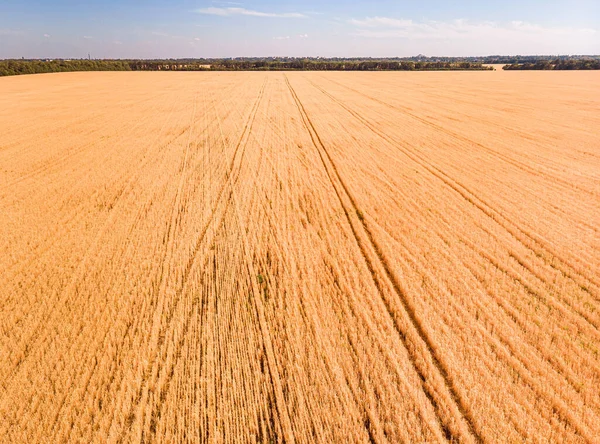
[(300, 257)]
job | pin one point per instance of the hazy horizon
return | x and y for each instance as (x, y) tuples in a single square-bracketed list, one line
[(214, 29), (434, 56)]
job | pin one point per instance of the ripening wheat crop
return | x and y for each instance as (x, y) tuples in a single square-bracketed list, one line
[(300, 257)]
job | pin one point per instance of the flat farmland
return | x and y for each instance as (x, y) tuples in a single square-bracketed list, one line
[(300, 257)]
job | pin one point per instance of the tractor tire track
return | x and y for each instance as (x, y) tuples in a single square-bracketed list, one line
[(526, 238), (424, 164), (141, 209), (462, 412), (280, 402), (232, 178), (520, 165), (240, 146), (559, 405)]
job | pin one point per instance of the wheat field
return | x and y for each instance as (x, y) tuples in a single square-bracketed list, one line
[(300, 257)]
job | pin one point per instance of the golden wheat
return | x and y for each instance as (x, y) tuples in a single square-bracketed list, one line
[(310, 257)]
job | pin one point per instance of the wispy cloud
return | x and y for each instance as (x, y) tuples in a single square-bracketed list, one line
[(117, 42), (388, 27), (287, 37), (87, 37), (381, 22), (226, 12), (47, 36), (8, 31)]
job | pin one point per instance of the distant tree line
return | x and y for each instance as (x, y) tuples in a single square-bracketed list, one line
[(418, 63), (16, 67), (301, 65), (510, 60), (487, 60), (556, 65)]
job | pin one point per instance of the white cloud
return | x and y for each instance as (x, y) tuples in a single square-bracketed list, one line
[(197, 39), (386, 27), (117, 42), (47, 36), (467, 37), (287, 37), (226, 12), (303, 36), (87, 37)]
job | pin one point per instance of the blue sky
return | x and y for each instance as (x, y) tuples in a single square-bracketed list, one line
[(378, 28)]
